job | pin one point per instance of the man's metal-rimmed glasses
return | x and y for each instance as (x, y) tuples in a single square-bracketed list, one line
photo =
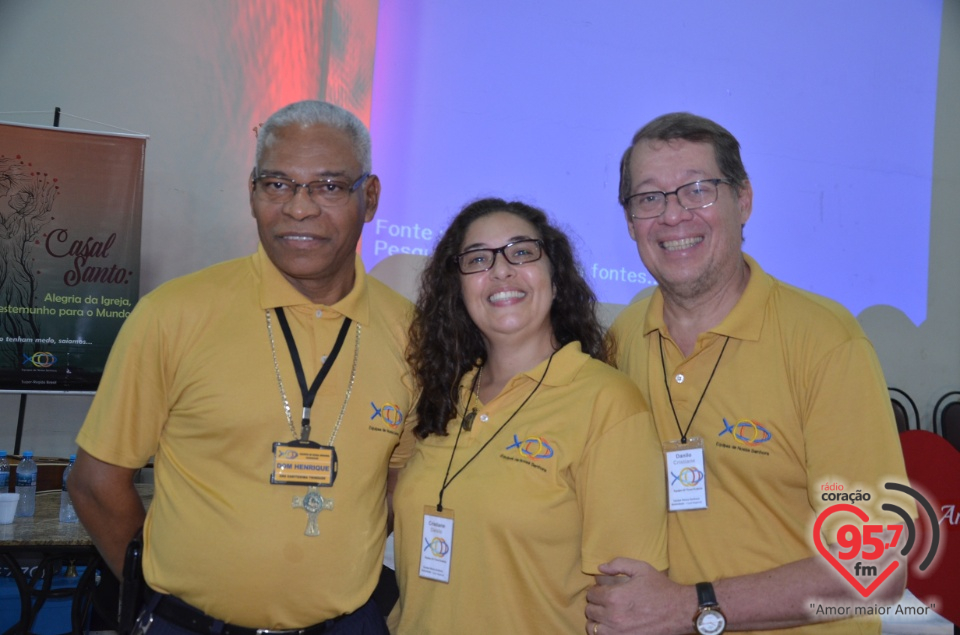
[(691, 196), (278, 189), (518, 253)]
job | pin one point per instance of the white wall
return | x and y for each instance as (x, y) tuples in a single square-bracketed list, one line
[(925, 361), (196, 77), (174, 70)]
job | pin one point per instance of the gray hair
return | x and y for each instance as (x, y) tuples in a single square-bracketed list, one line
[(311, 113), (683, 125)]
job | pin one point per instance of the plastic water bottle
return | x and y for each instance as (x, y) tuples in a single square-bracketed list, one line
[(67, 513), (27, 485), (4, 472)]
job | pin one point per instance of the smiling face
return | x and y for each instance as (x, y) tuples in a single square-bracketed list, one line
[(508, 301), (692, 254), (313, 246)]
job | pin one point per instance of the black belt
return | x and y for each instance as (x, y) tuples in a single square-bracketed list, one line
[(181, 614)]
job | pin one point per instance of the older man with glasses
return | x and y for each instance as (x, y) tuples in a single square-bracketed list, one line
[(270, 390), (762, 394)]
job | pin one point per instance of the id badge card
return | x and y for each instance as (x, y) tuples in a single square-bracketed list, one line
[(436, 548), (686, 475), (304, 463)]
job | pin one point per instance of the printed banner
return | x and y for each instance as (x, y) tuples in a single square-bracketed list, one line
[(70, 217)]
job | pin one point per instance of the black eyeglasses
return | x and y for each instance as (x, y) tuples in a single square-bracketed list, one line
[(696, 195), (278, 189), (518, 253)]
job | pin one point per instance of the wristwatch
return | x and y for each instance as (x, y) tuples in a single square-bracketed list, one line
[(709, 619)]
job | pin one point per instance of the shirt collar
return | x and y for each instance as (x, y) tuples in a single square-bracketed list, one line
[(744, 322), (564, 366), (276, 291)]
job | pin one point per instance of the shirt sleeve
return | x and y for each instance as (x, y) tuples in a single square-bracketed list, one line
[(622, 493), (130, 408), (404, 450), (850, 434)]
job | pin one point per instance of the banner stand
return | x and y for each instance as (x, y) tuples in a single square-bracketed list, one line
[(70, 221), (20, 420)]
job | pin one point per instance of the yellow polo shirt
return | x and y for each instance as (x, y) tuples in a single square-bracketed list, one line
[(191, 380), (798, 401), (573, 480)]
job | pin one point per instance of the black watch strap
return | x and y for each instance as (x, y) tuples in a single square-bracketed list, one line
[(709, 619), (706, 595)]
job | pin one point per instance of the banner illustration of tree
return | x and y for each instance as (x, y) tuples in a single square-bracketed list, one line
[(70, 219)]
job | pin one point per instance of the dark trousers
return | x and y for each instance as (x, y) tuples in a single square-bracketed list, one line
[(367, 620)]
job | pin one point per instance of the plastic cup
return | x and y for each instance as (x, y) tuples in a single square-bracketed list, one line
[(8, 506)]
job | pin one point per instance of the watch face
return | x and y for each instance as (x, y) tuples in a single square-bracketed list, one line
[(710, 622)]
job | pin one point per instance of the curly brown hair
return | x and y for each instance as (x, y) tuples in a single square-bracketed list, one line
[(445, 343)]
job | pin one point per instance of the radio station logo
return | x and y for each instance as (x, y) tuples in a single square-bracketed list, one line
[(863, 544)]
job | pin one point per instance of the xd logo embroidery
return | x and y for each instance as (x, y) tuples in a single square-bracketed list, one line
[(867, 544)]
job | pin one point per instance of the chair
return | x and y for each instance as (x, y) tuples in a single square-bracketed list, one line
[(946, 417), (933, 467), (899, 401)]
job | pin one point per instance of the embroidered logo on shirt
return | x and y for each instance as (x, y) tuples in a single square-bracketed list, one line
[(747, 432), (533, 451), (535, 448), (389, 413)]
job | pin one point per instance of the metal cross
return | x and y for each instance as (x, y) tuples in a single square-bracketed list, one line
[(313, 503)]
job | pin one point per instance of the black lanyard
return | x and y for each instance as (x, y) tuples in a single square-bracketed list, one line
[(310, 394), (446, 482), (666, 384)]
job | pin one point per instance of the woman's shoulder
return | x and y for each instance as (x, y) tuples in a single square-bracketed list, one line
[(608, 382)]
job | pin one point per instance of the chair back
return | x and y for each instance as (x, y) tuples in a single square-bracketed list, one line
[(946, 417), (903, 407)]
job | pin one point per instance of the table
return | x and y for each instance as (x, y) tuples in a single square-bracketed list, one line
[(43, 536)]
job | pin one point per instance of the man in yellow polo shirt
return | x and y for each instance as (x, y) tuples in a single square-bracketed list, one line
[(271, 391), (762, 395)]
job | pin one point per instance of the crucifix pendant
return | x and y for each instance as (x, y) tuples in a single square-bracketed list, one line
[(313, 503)]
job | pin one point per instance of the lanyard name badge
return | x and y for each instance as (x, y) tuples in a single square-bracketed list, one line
[(302, 461), (436, 550), (683, 458), (686, 475)]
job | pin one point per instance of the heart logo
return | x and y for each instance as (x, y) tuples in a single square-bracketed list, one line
[(862, 515)]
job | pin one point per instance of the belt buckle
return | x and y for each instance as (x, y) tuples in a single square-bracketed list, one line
[(290, 631), (141, 626)]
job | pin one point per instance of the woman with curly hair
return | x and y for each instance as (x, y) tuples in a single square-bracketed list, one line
[(543, 457)]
